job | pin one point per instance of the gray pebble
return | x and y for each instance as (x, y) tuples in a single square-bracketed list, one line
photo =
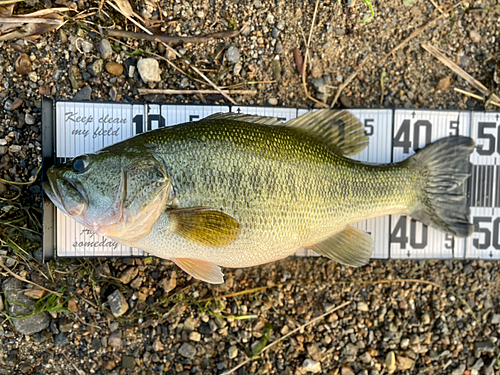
[(281, 25), (30, 119), (187, 350), (311, 366), (8, 105), (128, 274), (233, 351), (61, 339), (278, 48), (83, 94), (112, 93), (66, 325), (272, 101), (233, 55), (362, 306), (346, 101), (474, 36), (189, 325), (96, 67), (275, 33), (195, 336), (351, 350), (128, 361), (3, 142), (483, 347), (340, 32), (86, 46), (105, 49), (207, 328), (495, 319), (365, 357), (117, 303), (319, 84), (237, 69)]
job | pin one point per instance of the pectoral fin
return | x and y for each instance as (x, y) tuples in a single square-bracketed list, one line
[(205, 226), (201, 270), (352, 247)]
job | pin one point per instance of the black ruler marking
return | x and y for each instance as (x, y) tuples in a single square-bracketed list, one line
[(484, 179)]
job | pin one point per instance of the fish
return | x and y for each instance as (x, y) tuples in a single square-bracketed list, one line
[(235, 190)]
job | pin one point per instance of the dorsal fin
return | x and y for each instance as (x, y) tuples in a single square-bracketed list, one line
[(245, 118), (339, 129)]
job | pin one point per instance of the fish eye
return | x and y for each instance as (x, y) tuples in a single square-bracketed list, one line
[(80, 164)]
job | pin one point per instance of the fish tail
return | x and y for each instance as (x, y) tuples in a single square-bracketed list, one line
[(442, 169)]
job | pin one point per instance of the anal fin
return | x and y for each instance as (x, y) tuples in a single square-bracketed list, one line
[(201, 270), (352, 247)]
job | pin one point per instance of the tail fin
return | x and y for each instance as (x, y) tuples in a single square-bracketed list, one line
[(444, 167)]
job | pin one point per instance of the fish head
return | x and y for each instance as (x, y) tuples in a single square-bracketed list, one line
[(118, 195)]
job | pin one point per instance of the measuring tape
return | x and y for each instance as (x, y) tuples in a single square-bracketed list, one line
[(71, 128)]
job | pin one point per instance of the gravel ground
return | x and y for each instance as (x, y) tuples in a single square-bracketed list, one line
[(144, 316)]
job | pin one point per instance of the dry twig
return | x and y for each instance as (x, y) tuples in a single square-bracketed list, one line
[(194, 92), (172, 39), (349, 79), (434, 51), (476, 96)]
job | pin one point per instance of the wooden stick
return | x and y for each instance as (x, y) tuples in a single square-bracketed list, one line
[(458, 70), (48, 21), (172, 39), (349, 79), (194, 92), (476, 96)]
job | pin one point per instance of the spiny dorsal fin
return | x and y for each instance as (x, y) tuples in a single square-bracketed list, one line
[(352, 247), (245, 118), (205, 226), (201, 270), (339, 129)]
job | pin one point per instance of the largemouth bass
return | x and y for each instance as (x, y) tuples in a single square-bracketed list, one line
[(238, 190)]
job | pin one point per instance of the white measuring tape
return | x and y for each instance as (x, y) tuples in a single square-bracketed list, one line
[(85, 127)]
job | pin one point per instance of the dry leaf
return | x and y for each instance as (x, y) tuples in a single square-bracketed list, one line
[(23, 64), (125, 7), (72, 306)]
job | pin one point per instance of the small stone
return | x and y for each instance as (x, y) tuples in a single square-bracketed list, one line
[(404, 363), (8, 105), (62, 36), (272, 101), (105, 49), (16, 104), (415, 11), (275, 33), (75, 77), (96, 67), (66, 325), (149, 70), (345, 369), (233, 351), (3, 190), (187, 350), (23, 64), (278, 48), (168, 284), (365, 357), (314, 351), (319, 84), (195, 336), (495, 319), (276, 69), (311, 366), (407, 3), (362, 306), (15, 148), (33, 76), (474, 36), (128, 361), (114, 68), (96, 344), (340, 32), (86, 46), (390, 362), (483, 347), (346, 101), (443, 83), (30, 119), (83, 94), (158, 345), (3, 142), (425, 319), (117, 303), (113, 93), (316, 71), (189, 325), (351, 351), (233, 55), (478, 364), (207, 328), (460, 370), (281, 25), (237, 69), (61, 339), (128, 274), (115, 340), (405, 342), (35, 293), (72, 306)]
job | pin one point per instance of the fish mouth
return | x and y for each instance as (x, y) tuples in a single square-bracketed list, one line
[(68, 195)]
